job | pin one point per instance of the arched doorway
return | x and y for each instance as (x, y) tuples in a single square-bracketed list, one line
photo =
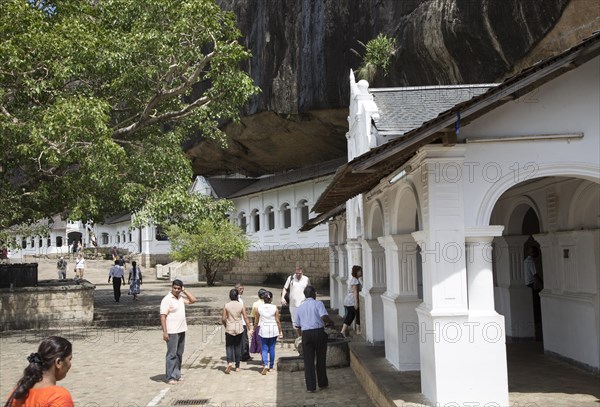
[(374, 273), (74, 237), (559, 216), (404, 283)]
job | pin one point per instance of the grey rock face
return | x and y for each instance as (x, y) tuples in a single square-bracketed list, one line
[(302, 48), (302, 56)]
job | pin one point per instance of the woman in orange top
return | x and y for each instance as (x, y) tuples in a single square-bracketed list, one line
[(37, 387)]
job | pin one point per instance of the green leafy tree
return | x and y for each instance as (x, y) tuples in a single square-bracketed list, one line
[(211, 243), (378, 54), (97, 98)]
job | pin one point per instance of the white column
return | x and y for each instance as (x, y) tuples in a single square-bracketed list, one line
[(341, 278), (354, 248), (333, 266), (487, 346), (460, 350), (353, 256), (552, 258), (400, 301), (147, 237), (514, 298), (374, 287), (480, 280)]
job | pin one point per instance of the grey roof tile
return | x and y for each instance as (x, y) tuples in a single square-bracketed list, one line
[(405, 109), (286, 178)]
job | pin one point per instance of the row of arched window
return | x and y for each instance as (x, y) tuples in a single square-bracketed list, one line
[(119, 238), (31, 242), (271, 219)]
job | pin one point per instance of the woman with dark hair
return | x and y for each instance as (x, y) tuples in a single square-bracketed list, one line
[(351, 301), (269, 329), (135, 280), (255, 343), (38, 386), (232, 315)]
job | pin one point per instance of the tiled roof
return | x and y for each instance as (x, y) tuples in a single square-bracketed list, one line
[(404, 109), (365, 171), (117, 219), (237, 187), (225, 187)]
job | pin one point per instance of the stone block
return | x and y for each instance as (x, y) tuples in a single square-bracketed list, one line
[(338, 353)]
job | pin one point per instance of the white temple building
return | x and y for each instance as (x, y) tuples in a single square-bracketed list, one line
[(270, 209), (444, 189)]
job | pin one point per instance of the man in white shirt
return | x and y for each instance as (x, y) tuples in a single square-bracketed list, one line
[(174, 326), (117, 274), (296, 285)]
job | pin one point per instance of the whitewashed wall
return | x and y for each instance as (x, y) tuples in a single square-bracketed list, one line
[(281, 238)]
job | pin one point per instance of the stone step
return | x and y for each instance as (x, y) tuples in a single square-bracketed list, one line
[(149, 316)]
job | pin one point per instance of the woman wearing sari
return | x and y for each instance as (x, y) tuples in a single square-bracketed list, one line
[(135, 280)]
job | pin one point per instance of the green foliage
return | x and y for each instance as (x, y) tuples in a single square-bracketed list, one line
[(209, 241), (378, 54), (97, 97)]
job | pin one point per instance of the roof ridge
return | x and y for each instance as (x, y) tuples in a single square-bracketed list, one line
[(433, 87)]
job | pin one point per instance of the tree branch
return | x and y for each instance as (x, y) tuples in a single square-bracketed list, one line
[(6, 113), (146, 118)]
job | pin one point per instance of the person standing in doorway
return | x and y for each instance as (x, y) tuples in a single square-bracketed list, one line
[(295, 284), (117, 274), (74, 248), (174, 326), (61, 266), (534, 281), (310, 322)]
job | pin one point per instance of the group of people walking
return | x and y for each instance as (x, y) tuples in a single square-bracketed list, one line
[(117, 274), (309, 318), (52, 361)]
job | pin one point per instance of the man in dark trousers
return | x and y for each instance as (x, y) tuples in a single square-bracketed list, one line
[(174, 326), (117, 274), (310, 321)]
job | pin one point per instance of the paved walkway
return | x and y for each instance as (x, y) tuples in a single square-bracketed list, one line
[(125, 367)]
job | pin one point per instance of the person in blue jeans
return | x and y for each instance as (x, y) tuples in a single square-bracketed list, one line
[(270, 329)]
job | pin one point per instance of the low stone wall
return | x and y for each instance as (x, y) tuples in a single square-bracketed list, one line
[(151, 260), (52, 303), (274, 266)]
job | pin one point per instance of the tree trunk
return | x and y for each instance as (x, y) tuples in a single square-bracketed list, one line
[(210, 275)]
